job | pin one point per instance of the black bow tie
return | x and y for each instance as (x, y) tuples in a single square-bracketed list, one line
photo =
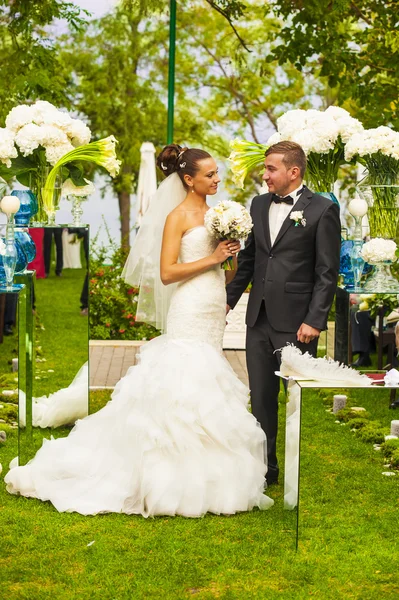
[(287, 200)]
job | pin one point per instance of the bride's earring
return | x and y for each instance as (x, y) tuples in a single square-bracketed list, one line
[(192, 189)]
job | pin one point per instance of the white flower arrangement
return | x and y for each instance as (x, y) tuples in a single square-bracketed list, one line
[(228, 220), (2, 248), (70, 189), (297, 216), (382, 140), (379, 250), (321, 134), (43, 125)]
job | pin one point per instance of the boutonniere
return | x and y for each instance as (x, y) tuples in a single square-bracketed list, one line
[(297, 216)]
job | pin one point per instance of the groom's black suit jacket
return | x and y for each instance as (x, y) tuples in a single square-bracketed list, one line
[(297, 275)]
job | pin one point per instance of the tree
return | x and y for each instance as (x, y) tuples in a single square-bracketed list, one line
[(114, 87), (231, 91), (28, 57), (355, 44)]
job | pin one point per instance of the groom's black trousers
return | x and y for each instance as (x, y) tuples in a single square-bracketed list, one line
[(262, 362)]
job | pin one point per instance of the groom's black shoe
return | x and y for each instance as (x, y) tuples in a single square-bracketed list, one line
[(363, 360), (271, 480), (271, 477)]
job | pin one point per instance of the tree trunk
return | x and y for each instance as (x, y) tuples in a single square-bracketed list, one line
[(124, 209)]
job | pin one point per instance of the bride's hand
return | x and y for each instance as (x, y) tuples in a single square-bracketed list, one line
[(225, 250)]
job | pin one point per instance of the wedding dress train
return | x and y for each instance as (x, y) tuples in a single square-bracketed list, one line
[(176, 437)]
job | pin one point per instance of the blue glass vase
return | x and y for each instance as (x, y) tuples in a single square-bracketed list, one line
[(27, 209), (26, 252)]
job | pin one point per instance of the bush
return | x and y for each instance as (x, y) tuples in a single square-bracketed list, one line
[(371, 434), (358, 423), (113, 303), (389, 447), (395, 459), (347, 414)]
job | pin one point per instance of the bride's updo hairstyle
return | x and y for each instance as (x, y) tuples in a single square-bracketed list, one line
[(183, 161)]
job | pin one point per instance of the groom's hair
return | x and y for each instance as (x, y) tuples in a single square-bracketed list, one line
[(293, 155)]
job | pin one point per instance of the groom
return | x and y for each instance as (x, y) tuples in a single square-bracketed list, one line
[(292, 259)]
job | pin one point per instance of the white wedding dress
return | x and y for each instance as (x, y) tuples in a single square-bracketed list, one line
[(177, 437)]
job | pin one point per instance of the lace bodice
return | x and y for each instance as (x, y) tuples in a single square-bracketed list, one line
[(198, 306)]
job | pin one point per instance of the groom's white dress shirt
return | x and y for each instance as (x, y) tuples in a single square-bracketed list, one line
[(279, 212)]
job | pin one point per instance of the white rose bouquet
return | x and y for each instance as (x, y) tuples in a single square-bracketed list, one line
[(378, 150), (228, 220)]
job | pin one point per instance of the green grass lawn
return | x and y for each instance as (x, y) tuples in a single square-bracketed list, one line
[(349, 518)]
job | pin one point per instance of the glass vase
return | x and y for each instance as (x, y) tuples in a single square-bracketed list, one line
[(381, 281), (77, 210), (28, 207), (10, 254), (381, 192), (51, 198)]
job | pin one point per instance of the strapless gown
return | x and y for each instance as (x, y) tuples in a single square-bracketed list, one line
[(176, 438)]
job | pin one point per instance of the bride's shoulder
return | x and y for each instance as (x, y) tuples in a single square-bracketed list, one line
[(177, 219)]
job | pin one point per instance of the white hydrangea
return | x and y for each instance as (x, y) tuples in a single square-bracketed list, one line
[(317, 131), (370, 141), (70, 189), (7, 148), (28, 138), (54, 153), (18, 117), (347, 125), (42, 124), (274, 139), (379, 250), (52, 135), (79, 133)]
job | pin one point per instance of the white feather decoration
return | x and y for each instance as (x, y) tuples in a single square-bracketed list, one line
[(296, 364)]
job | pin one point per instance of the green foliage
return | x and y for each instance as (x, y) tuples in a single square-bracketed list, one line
[(113, 303), (371, 434), (355, 45), (358, 423), (347, 414), (395, 459), (29, 62), (389, 447)]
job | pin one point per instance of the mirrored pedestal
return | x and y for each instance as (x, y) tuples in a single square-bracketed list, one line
[(295, 434)]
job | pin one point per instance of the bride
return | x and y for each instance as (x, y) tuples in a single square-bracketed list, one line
[(176, 437)]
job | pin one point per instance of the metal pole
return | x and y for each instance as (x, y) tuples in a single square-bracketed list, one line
[(171, 78)]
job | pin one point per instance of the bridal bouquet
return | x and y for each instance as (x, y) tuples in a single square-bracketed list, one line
[(228, 220), (378, 150), (322, 135)]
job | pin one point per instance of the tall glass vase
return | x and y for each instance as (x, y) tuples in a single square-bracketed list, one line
[(381, 192), (47, 200), (10, 255)]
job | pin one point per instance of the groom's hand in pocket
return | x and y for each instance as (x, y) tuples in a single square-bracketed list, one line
[(306, 333)]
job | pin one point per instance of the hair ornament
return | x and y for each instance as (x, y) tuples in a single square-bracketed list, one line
[(163, 167), (182, 165)]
